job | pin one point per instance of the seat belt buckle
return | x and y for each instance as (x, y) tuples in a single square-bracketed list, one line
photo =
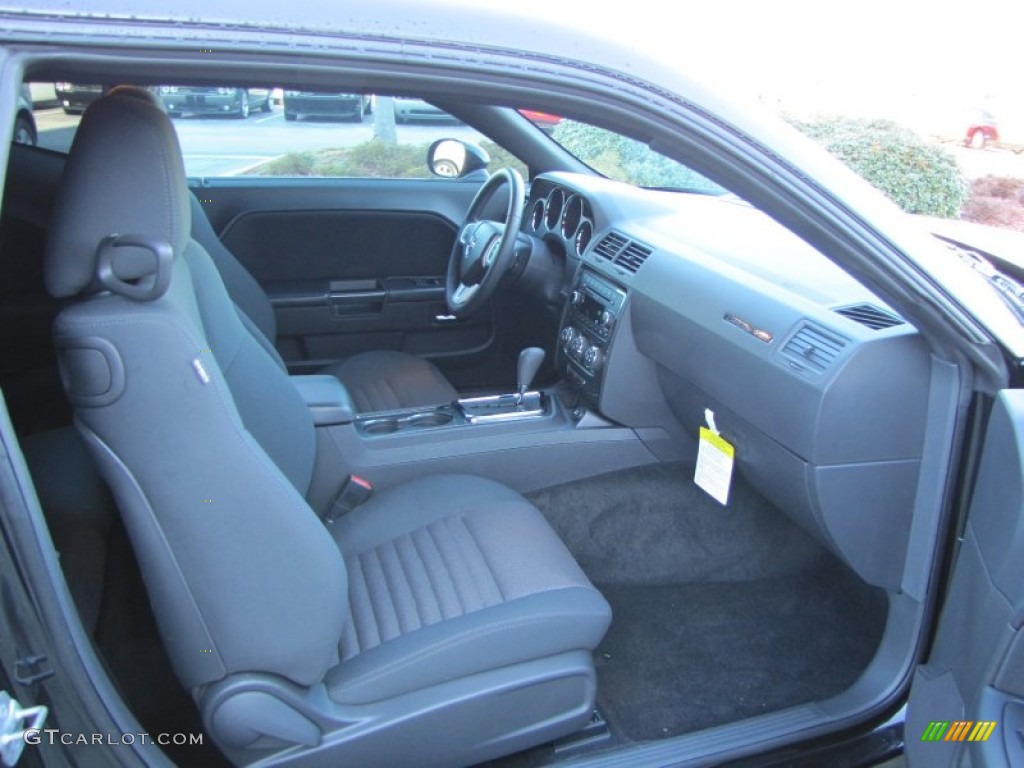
[(354, 491)]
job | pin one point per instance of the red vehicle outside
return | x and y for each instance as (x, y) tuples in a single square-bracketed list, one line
[(542, 120), (982, 131)]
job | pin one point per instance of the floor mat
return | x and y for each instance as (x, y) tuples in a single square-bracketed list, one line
[(682, 657), (653, 525)]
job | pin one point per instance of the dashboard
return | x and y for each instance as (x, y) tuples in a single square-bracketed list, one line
[(675, 303)]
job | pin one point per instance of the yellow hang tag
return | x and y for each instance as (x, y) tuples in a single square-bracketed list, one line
[(715, 457)]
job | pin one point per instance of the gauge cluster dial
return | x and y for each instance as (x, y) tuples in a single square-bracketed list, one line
[(563, 216)]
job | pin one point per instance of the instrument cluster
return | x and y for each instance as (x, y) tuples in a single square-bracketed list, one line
[(564, 215)]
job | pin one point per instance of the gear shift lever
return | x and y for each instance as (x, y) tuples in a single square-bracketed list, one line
[(530, 360)]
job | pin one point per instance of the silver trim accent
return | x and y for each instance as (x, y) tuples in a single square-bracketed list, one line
[(547, 209), (571, 200), (479, 410), (585, 222)]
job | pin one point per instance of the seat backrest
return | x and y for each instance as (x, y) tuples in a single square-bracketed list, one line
[(241, 285), (205, 443)]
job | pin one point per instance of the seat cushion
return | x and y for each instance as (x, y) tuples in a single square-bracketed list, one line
[(450, 576), (387, 381)]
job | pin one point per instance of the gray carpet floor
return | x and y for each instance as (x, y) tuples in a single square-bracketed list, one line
[(720, 613)]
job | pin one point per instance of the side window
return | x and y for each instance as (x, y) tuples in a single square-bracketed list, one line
[(358, 135), (231, 131)]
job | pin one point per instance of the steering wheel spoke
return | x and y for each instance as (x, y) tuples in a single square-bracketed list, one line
[(491, 253), (484, 249), (463, 293)]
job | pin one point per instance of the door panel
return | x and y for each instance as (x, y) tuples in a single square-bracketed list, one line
[(296, 246), (353, 265), (974, 677)]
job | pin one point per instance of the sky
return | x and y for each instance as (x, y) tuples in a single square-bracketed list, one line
[(926, 64)]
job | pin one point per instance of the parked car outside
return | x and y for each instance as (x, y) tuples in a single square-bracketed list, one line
[(354, 106), (25, 131), (982, 130), (75, 97), (543, 120), (408, 110), (181, 100), (44, 95), (1000, 126)]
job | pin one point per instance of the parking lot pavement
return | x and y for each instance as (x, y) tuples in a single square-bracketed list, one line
[(992, 161), (225, 146), (201, 165)]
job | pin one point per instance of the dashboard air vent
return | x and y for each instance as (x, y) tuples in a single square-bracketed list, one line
[(633, 256), (814, 347), (871, 316), (610, 245)]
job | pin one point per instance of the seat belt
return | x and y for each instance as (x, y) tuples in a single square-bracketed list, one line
[(354, 491)]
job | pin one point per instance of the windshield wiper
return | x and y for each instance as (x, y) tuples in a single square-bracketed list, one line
[(1011, 291)]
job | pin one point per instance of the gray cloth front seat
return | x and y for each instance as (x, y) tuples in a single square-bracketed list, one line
[(377, 381), (441, 623)]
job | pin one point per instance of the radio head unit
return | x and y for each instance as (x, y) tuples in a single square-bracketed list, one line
[(591, 315)]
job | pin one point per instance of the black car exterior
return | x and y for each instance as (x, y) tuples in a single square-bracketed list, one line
[(354, 106), (181, 100)]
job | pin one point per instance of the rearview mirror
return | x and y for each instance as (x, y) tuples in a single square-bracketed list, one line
[(456, 159)]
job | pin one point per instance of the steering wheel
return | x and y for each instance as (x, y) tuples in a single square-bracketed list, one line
[(483, 250)]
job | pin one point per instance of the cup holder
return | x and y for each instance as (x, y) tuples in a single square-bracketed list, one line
[(380, 426), (429, 419), (391, 423)]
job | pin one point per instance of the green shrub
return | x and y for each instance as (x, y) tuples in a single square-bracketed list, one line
[(386, 161), (918, 176), (502, 158), (372, 159), (369, 159), (292, 164), (624, 159)]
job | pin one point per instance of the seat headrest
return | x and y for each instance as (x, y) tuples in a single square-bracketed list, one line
[(124, 176), (139, 93)]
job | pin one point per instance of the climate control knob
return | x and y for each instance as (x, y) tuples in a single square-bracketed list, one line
[(606, 318), (568, 335), (593, 358), (578, 347)]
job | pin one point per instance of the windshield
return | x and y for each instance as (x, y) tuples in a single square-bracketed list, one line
[(623, 159)]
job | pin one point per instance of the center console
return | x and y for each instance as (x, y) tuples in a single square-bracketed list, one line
[(588, 325), (526, 439), (463, 412)]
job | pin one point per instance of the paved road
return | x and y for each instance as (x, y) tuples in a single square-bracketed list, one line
[(224, 146), (993, 161)]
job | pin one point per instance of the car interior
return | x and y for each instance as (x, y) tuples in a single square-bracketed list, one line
[(205, 375)]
